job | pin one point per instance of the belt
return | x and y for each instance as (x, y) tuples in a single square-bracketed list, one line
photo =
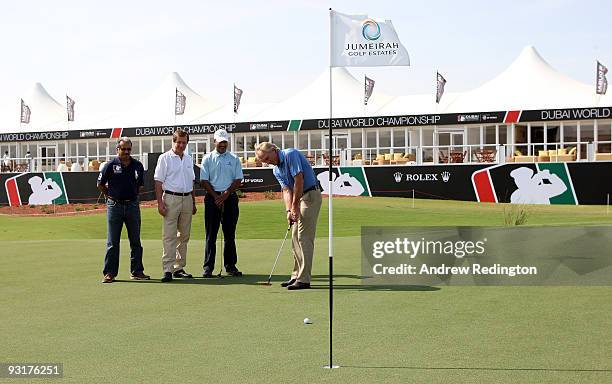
[(178, 193), (314, 187), (121, 201)]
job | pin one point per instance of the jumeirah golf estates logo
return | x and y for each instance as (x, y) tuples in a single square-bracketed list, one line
[(370, 29)]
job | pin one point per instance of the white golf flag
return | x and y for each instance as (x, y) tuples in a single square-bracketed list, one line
[(360, 41)]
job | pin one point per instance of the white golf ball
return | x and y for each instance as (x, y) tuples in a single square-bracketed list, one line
[(307, 321)]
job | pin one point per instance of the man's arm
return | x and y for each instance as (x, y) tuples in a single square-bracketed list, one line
[(288, 199), (161, 206), (104, 189), (298, 188)]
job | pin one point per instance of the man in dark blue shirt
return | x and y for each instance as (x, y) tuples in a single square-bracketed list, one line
[(120, 181), (302, 198)]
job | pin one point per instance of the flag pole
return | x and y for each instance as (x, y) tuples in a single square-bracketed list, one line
[(331, 193)]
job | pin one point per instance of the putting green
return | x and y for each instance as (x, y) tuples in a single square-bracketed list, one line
[(54, 309)]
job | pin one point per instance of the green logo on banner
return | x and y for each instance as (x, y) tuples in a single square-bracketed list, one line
[(560, 169)]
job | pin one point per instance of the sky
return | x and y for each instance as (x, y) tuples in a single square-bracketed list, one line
[(108, 55)]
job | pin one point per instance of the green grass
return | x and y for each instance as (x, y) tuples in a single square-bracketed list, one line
[(54, 309), (265, 219)]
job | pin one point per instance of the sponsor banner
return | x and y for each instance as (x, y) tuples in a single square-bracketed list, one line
[(259, 180), (428, 182), (566, 114), (540, 183), (36, 189), (495, 117), (552, 256), (347, 181)]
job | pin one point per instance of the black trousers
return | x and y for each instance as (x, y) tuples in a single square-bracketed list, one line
[(227, 217)]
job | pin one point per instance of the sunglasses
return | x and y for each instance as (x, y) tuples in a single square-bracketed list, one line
[(124, 149)]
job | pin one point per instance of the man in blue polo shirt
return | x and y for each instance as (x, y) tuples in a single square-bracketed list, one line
[(221, 175), (302, 197), (120, 181)]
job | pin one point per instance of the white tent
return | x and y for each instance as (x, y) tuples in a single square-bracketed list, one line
[(158, 107), (46, 113), (528, 83), (312, 102)]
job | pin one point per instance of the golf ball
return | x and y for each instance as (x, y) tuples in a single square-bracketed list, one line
[(307, 321)]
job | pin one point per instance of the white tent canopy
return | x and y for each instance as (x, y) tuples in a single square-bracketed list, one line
[(158, 107), (528, 83), (312, 102), (46, 113)]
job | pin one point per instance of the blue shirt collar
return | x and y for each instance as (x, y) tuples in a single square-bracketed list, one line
[(281, 157)]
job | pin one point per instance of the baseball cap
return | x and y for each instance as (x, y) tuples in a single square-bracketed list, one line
[(221, 135)]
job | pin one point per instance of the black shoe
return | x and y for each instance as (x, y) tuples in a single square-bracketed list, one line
[(207, 274), (298, 285), (287, 283), (233, 272), (182, 274), (167, 277)]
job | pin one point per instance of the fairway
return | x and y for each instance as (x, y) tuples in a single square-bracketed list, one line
[(232, 330)]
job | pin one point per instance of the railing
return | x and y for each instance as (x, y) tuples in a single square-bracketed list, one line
[(429, 154), (55, 164)]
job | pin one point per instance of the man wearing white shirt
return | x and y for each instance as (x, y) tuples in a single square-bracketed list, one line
[(174, 177)]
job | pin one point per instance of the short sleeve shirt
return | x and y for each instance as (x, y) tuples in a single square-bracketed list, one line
[(292, 162), (221, 169), (123, 181)]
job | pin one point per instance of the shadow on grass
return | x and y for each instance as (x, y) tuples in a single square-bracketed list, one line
[(481, 369), (319, 282)]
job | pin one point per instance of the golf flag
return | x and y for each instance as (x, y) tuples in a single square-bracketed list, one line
[(237, 97), (179, 103), (25, 113), (369, 87), (70, 108), (361, 41), (601, 80), (440, 83)]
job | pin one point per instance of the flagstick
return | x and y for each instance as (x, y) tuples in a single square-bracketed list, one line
[(331, 194)]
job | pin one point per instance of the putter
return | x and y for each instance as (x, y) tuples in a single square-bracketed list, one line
[(219, 275), (277, 255)]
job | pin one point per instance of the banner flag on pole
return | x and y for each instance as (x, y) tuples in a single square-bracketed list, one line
[(440, 83), (601, 80), (237, 97), (369, 87), (361, 41), (25, 113), (180, 102), (70, 108)]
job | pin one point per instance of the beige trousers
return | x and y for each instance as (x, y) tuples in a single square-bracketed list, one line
[(303, 236), (176, 231)]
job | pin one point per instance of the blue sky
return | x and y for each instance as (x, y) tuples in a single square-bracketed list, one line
[(107, 55)]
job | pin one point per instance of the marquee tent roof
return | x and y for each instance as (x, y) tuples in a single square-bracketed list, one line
[(158, 107), (312, 102), (528, 83), (46, 113)]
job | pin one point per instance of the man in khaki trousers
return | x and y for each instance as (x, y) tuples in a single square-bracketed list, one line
[(174, 177), (302, 197)]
